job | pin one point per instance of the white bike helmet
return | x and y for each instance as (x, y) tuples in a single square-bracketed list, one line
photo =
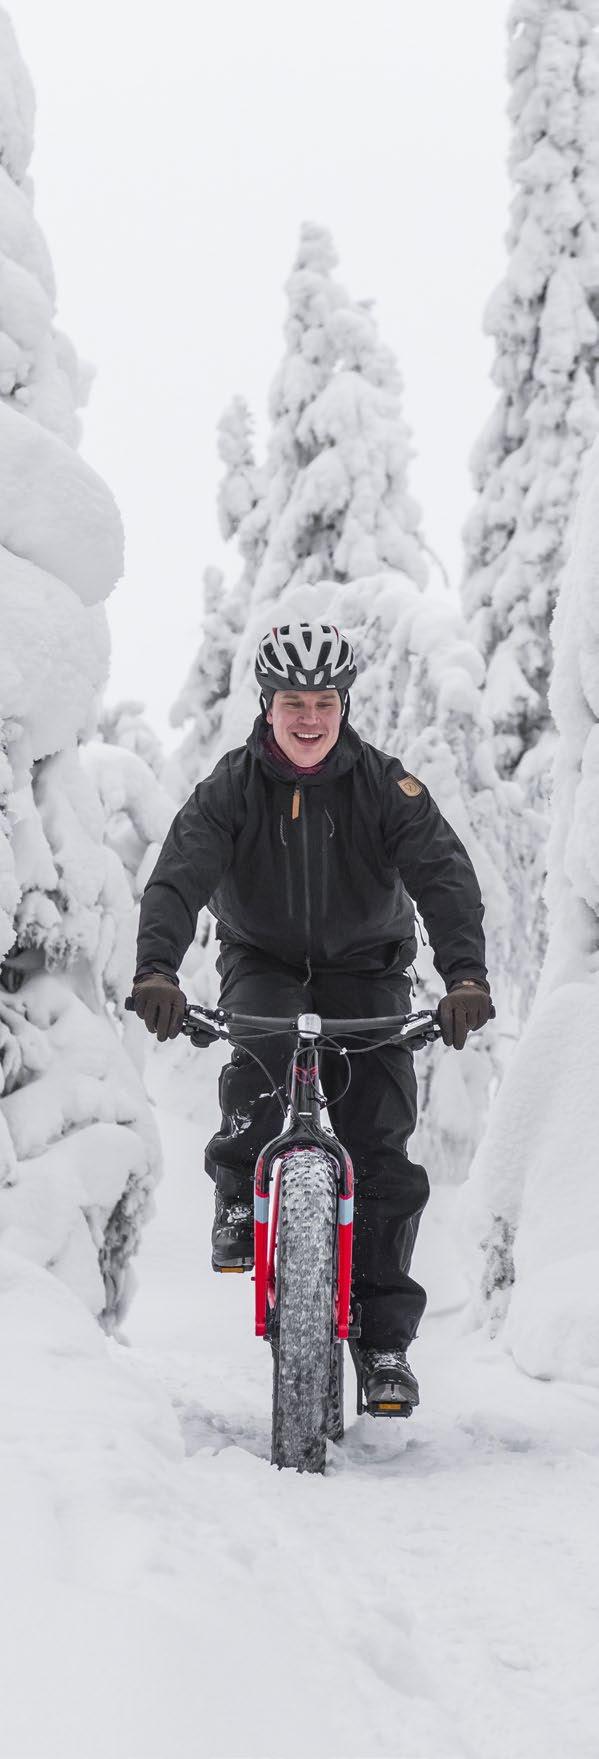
[(305, 656)]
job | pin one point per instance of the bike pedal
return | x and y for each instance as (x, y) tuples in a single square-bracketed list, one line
[(231, 1269), (390, 1408)]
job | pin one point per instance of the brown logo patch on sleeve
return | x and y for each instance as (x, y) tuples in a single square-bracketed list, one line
[(409, 785)]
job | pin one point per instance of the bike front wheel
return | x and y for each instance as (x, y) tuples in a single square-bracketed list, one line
[(304, 1348)]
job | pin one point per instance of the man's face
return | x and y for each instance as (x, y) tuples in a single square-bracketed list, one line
[(305, 723)]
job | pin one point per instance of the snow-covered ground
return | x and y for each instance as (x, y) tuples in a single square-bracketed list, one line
[(167, 1595)]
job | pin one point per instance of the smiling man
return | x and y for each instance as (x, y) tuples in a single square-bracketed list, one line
[(309, 845)]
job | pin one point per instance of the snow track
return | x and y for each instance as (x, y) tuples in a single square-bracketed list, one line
[(437, 1593), (434, 1596)]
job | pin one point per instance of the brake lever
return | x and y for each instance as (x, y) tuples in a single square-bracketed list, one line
[(428, 1035)]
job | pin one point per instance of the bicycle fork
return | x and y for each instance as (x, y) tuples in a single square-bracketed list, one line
[(267, 1183)]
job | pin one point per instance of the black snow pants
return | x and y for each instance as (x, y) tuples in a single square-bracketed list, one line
[(373, 1120)]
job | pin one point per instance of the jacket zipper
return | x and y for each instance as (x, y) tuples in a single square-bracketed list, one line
[(296, 813), (325, 863), (308, 912), (287, 862)]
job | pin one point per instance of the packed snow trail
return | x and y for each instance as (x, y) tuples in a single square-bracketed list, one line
[(437, 1593), (168, 1595)]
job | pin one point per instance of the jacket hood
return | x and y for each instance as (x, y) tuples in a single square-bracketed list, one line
[(341, 759)]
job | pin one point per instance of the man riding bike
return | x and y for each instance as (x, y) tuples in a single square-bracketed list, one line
[(309, 845)]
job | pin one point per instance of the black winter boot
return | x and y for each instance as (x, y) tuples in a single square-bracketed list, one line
[(232, 1234), (390, 1389)]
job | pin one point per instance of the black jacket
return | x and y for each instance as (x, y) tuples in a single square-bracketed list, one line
[(327, 880)]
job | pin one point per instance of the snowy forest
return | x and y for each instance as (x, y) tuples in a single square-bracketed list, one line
[(486, 686)]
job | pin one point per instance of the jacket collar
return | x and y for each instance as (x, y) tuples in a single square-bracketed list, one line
[(342, 757)]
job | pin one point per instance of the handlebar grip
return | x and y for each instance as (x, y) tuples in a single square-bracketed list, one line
[(129, 1005)]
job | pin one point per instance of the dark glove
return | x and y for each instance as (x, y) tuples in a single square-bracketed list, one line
[(160, 1004), (465, 1009)]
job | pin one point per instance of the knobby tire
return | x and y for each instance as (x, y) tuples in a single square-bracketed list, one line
[(335, 1405), (308, 1376)]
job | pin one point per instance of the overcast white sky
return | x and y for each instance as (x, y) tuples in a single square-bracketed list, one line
[(179, 147)]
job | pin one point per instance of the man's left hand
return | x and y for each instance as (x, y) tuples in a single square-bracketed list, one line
[(465, 1009)]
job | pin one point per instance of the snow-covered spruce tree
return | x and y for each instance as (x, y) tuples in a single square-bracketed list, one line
[(543, 317), (137, 809), (199, 706), (336, 502), (242, 515), (533, 1198), (240, 500), (337, 497), (78, 1149), (124, 724), (39, 370), (126, 763)]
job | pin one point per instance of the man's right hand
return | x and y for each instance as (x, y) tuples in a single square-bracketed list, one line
[(160, 1004)]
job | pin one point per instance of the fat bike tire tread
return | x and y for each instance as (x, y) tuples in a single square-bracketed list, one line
[(303, 1345), (335, 1424)]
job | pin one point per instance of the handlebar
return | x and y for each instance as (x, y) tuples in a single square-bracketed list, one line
[(422, 1026)]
